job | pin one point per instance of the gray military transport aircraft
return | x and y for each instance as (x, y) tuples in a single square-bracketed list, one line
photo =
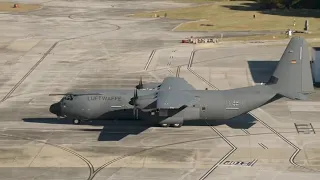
[(174, 101)]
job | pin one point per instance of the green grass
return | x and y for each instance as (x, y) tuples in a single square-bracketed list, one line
[(272, 37), (7, 7), (198, 1), (225, 19)]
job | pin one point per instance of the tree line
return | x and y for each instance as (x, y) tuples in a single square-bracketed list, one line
[(287, 4)]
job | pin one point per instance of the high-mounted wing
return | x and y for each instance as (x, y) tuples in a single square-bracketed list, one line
[(172, 94), (175, 99), (175, 83)]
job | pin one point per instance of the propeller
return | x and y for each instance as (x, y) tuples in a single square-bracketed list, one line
[(140, 85), (135, 97), (133, 102)]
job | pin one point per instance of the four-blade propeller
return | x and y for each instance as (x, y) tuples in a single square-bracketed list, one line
[(134, 102)]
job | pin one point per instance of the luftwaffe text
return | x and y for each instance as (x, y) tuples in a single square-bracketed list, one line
[(104, 98)]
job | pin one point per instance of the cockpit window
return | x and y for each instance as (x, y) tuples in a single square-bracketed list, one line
[(68, 97)]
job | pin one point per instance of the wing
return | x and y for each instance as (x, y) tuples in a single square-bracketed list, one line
[(175, 83), (175, 99), (172, 94)]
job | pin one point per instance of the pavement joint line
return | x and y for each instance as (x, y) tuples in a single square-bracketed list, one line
[(46, 54), (291, 160), (297, 149), (263, 146), (245, 131), (152, 54), (234, 148), (44, 143), (89, 164), (94, 172)]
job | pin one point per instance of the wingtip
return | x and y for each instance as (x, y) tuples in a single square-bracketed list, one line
[(55, 94)]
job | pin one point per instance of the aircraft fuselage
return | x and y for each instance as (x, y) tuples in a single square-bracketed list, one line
[(212, 105)]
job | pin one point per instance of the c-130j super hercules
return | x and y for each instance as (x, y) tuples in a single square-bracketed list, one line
[(174, 101)]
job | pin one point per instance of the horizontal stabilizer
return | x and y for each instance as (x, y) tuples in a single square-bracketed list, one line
[(296, 96)]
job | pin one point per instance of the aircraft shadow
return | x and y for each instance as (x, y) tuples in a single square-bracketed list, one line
[(112, 130), (115, 130), (316, 85), (244, 121), (261, 71)]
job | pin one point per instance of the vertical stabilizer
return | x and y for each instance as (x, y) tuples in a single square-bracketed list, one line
[(292, 77)]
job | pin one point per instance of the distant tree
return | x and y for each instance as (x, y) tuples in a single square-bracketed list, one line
[(309, 4), (295, 2), (271, 4)]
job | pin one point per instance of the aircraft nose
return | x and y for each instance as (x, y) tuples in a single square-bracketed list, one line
[(55, 109)]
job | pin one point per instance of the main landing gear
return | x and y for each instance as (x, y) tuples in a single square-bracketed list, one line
[(177, 125), (76, 121)]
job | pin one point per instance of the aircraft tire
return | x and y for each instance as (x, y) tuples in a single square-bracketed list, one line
[(76, 121), (178, 125), (164, 125)]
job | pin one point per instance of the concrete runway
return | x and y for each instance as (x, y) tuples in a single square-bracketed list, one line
[(83, 45)]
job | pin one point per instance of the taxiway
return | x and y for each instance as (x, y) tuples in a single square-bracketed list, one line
[(73, 45)]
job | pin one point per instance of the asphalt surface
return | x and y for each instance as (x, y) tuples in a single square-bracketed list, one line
[(78, 45)]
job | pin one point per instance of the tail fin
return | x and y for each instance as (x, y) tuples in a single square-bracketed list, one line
[(292, 77)]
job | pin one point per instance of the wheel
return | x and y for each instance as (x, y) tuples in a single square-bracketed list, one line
[(177, 125), (76, 121), (164, 125)]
